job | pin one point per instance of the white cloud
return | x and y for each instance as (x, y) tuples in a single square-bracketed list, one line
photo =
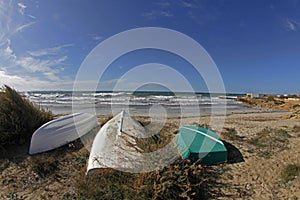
[(186, 4), (291, 25), (30, 67), (8, 50), (154, 14), (22, 8), (31, 16), (163, 4), (24, 26), (97, 37), (11, 80), (49, 51), (31, 83), (44, 66)]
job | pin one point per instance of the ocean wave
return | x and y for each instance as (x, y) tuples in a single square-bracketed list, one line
[(126, 98)]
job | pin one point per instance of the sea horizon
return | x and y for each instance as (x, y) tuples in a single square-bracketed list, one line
[(138, 102)]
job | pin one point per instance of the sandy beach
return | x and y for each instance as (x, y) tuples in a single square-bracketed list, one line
[(252, 172), (141, 100)]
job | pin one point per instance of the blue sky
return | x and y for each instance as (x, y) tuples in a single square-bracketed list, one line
[(255, 44)]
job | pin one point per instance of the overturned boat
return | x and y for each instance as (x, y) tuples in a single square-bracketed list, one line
[(115, 145), (61, 131), (195, 143)]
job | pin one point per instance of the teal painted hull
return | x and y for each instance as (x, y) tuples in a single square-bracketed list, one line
[(200, 143)]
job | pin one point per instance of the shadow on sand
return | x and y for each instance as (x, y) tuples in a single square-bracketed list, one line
[(234, 154)]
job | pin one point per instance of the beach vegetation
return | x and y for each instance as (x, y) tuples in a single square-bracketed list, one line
[(19, 117), (231, 134), (43, 165), (181, 180), (270, 141), (283, 133), (290, 172), (296, 128), (13, 196)]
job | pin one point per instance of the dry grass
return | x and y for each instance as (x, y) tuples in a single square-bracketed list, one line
[(181, 180)]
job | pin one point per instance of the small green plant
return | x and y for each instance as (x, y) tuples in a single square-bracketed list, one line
[(13, 196), (290, 172), (19, 118), (283, 133), (68, 196)]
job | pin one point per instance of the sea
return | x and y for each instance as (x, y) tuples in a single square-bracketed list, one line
[(138, 103)]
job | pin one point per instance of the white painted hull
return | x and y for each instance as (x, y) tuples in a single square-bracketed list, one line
[(61, 131), (115, 146)]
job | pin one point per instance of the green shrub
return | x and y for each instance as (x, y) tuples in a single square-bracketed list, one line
[(290, 172), (19, 118)]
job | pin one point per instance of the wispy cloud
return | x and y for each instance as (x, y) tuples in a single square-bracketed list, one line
[(22, 8), (50, 51), (31, 16), (163, 4), (27, 83), (46, 67), (154, 14), (24, 26), (187, 4), (163, 9), (10, 79), (291, 24), (30, 66), (95, 37), (197, 11)]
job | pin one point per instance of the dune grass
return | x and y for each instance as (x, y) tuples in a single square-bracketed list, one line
[(19, 118)]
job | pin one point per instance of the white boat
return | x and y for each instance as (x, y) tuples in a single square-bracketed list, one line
[(115, 145), (61, 131)]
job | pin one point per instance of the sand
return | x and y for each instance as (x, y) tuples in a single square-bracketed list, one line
[(256, 177)]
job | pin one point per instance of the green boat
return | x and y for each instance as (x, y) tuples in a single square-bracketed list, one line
[(195, 143)]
